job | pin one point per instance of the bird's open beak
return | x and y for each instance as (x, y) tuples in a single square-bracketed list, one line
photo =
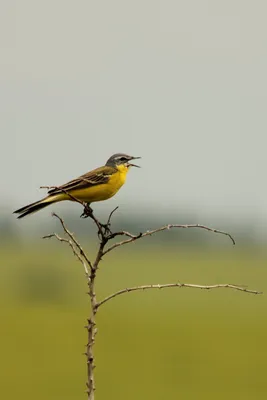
[(134, 165)]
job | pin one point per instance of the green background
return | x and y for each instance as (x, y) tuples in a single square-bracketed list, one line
[(159, 344)]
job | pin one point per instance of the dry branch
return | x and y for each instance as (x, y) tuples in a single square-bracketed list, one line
[(74, 248), (133, 238), (75, 245), (90, 267), (172, 285)]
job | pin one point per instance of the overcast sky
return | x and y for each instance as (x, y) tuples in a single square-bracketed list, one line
[(180, 83)]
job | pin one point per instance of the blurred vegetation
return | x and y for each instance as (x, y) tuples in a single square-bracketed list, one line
[(246, 231), (168, 344)]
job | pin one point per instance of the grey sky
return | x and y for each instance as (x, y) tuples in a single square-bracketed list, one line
[(180, 83)]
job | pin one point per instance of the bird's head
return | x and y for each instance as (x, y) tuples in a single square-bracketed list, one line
[(121, 159)]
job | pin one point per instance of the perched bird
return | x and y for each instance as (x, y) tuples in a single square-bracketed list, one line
[(97, 185)]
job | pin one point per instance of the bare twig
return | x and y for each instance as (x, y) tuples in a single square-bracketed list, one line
[(76, 250), (110, 215), (171, 285), (72, 238), (132, 237)]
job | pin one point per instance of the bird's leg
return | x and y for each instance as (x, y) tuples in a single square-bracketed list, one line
[(87, 211)]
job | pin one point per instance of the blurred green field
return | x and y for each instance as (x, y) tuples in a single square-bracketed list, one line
[(159, 344)]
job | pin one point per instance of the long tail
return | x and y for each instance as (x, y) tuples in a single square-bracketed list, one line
[(38, 205)]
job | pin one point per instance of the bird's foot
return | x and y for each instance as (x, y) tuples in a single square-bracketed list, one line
[(87, 211)]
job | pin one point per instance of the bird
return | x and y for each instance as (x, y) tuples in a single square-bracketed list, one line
[(96, 185)]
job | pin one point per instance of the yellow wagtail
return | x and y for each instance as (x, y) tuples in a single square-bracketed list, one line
[(97, 185)]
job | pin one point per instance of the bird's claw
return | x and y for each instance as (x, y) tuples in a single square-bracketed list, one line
[(87, 211)]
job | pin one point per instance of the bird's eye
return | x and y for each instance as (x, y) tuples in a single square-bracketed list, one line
[(123, 159)]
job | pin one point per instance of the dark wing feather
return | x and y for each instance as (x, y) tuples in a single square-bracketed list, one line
[(96, 177)]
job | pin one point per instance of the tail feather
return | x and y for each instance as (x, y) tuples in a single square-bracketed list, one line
[(32, 208)]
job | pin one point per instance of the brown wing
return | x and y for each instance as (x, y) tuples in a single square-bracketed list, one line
[(96, 177)]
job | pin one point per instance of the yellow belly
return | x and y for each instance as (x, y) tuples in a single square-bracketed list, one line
[(104, 191)]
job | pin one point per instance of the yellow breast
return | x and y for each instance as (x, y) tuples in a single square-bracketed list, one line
[(117, 180), (105, 190)]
